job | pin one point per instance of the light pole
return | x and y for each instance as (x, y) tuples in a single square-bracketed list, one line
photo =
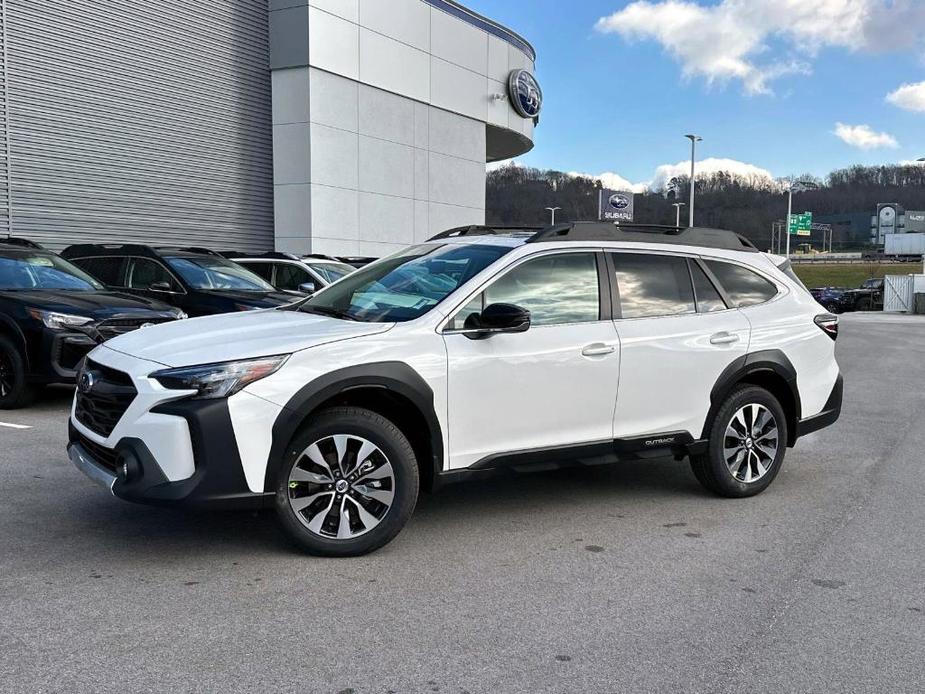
[(803, 185), (677, 212), (552, 212), (694, 140)]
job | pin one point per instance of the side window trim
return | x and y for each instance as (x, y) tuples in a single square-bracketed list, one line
[(604, 289), (712, 279)]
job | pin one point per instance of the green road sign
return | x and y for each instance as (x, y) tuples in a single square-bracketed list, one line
[(801, 224)]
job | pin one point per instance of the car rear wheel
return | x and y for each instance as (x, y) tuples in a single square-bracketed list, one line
[(348, 484), (15, 392), (747, 443)]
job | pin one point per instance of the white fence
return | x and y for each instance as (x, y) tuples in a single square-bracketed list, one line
[(899, 292)]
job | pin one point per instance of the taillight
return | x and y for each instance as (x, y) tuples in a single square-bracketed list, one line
[(828, 324)]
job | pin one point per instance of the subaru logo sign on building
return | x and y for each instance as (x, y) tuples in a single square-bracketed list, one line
[(615, 206), (525, 93)]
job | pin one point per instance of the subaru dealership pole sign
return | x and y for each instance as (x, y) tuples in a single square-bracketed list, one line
[(615, 206)]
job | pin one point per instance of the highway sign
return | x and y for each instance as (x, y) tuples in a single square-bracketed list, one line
[(801, 224)]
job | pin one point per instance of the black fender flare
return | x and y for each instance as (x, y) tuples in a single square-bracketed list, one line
[(393, 376), (769, 360)]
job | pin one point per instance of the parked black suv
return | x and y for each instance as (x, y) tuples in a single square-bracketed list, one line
[(52, 314), (199, 281)]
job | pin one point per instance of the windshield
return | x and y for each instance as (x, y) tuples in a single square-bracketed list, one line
[(331, 272), (31, 270), (210, 273), (406, 285)]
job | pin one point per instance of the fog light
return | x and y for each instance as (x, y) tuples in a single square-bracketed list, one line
[(128, 468)]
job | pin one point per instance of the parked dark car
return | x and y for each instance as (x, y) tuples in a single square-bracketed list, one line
[(834, 299), (196, 280), (52, 314), (867, 297)]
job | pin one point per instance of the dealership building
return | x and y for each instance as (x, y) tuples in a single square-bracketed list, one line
[(348, 127)]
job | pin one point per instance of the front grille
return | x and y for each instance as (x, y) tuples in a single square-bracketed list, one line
[(119, 326), (104, 456), (101, 407)]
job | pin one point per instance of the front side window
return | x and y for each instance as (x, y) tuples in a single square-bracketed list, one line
[(29, 270), (556, 289), (406, 285), (742, 286), (291, 276), (331, 272), (107, 270), (145, 273), (653, 285), (209, 273)]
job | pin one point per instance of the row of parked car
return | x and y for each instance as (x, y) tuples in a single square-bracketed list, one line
[(55, 308), (867, 297)]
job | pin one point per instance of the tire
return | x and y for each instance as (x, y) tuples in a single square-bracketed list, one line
[(312, 485), (764, 453), (15, 391), (863, 304)]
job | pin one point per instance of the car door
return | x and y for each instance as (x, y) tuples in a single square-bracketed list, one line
[(677, 335), (551, 387)]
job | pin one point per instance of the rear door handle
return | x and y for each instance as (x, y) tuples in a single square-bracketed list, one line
[(597, 349), (723, 338)]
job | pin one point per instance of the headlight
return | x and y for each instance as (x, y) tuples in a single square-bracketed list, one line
[(213, 381), (58, 321)]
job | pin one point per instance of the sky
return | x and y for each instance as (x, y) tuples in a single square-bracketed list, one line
[(784, 86)]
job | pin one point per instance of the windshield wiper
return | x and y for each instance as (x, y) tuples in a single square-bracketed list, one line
[(327, 311)]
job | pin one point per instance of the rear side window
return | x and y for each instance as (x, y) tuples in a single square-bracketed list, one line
[(653, 285), (264, 270), (743, 287), (106, 270), (291, 276)]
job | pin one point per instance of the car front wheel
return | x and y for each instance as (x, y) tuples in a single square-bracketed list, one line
[(348, 484), (14, 390), (747, 442)]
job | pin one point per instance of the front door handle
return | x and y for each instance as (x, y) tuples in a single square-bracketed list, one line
[(597, 349), (723, 338)]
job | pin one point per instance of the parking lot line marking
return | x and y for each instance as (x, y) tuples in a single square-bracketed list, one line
[(14, 426)]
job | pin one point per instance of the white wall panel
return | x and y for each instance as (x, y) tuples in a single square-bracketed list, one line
[(457, 181), (386, 218), (334, 157), (457, 89), (333, 43), (290, 95), (457, 135), (335, 212), (347, 9), (394, 66), (407, 21), (385, 115), (458, 42), (386, 167), (334, 100)]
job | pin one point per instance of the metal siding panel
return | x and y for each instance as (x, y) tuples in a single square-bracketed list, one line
[(138, 122)]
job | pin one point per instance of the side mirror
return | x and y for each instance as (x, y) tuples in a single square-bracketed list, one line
[(308, 288), (497, 318), (160, 287)]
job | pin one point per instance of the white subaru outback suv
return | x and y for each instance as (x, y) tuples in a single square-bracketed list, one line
[(481, 350)]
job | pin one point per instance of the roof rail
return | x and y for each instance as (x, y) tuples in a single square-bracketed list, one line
[(79, 250), (232, 255), (483, 230), (21, 243), (188, 249), (645, 233)]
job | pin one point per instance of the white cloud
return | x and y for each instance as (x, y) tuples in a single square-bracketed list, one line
[(758, 41), (864, 137), (613, 181), (909, 96), (664, 173)]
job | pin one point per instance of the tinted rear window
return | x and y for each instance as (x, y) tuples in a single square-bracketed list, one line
[(743, 287)]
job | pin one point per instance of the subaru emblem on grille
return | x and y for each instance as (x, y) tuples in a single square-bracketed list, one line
[(86, 381)]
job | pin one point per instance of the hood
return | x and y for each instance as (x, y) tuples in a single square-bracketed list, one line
[(244, 335), (98, 305)]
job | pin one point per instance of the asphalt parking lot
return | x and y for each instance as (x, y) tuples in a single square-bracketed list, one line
[(621, 579)]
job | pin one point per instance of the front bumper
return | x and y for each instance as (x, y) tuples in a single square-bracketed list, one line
[(132, 473)]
